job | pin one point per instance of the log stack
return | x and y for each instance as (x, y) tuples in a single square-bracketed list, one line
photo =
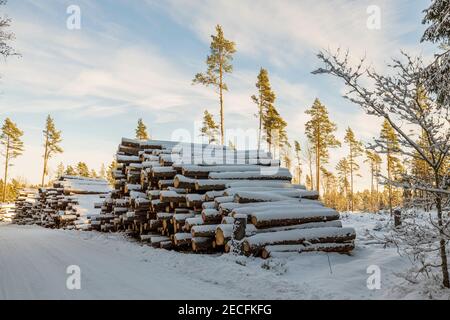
[(204, 198), (68, 204), (7, 212)]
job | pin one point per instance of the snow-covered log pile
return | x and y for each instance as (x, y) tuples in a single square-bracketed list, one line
[(27, 207), (7, 212), (69, 204), (205, 198)]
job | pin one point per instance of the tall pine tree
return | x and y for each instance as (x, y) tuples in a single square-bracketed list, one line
[(83, 170), (275, 129), (320, 132), (355, 151), (264, 99), (374, 161), (218, 64), (389, 138), (298, 151), (343, 169), (141, 131), (209, 129), (52, 139), (12, 147)]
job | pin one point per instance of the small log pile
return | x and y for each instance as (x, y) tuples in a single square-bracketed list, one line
[(7, 212), (68, 204), (203, 198)]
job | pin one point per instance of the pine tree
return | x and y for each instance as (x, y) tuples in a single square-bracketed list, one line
[(320, 132), (141, 131), (12, 147), (110, 173), (70, 171), (218, 64), (374, 161), (52, 139), (343, 169), (102, 173), (264, 99), (298, 151), (309, 154), (83, 170), (210, 129), (60, 170), (275, 129), (355, 151), (308, 182), (389, 138)]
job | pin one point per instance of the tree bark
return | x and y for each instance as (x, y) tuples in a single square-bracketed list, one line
[(389, 177), (222, 117), (45, 161), (6, 170), (442, 241)]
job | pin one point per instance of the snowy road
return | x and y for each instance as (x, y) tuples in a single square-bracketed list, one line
[(33, 263)]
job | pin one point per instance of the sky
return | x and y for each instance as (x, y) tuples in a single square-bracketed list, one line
[(134, 59)]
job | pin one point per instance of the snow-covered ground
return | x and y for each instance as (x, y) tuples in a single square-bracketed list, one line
[(33, 263)]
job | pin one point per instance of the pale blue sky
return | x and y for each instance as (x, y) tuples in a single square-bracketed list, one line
[(136, 59)]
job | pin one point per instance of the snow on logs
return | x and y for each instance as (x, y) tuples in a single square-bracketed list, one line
[(71, 203), (203, 198)]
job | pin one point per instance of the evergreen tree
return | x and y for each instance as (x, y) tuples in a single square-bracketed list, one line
[(52, 139), (60, 170), (93, 174), (355, 151), (275, 129), (102, 173), (12, 147), (374, 161), (264, 99), (309, 154), (70, 171), (320, 132), (210, 129), (389, 138), (298, 151), (218, 64), (308, 182), (83, 170), (110, 173), (343, 169), (141, 131)]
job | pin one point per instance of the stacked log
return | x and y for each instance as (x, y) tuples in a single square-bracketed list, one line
[(68, 204), (7, 212), (187, 201)]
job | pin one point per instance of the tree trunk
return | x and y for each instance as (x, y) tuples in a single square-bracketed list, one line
[(442, 241), (222, 117), (45, 162), (6, 170), (389, 177), (318, 163), (260, 123), (351, 181)]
